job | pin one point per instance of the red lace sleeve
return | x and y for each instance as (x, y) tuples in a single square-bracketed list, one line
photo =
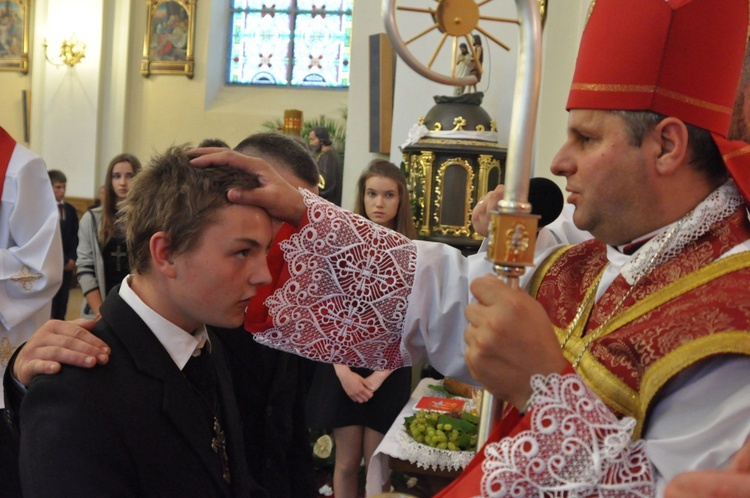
[(348, 285)]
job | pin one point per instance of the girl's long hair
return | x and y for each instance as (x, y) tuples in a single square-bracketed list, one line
[(109, 208), (381, 167)]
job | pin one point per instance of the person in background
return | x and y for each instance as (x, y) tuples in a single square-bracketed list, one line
[(69, 232), (331, 170), (213, 142), (361, 404), (102, 253), (31, 268)]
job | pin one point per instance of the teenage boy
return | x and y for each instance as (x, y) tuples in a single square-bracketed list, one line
[(69, 232), (160, 418)]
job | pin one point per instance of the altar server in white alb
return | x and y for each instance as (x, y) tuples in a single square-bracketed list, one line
[(31, 262)]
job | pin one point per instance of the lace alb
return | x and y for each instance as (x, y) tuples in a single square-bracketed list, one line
[(575, 447), (346, 298), (721, 203)]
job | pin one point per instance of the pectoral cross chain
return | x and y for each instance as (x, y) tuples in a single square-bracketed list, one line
[(219, 445)]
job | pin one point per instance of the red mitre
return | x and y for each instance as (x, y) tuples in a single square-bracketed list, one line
[(680, 58)]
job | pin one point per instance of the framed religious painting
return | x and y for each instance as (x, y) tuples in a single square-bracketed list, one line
[(170, 37), (14, 35)]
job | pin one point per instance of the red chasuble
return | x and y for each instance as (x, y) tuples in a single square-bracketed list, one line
[(687, 309)]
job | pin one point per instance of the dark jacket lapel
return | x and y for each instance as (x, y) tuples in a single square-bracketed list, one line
[(233, 426), (181, 403)]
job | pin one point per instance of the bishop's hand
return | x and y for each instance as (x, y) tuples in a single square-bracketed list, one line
[(275, 195), (509, 339)]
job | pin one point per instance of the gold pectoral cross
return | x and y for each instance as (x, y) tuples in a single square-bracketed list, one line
[(219, 445)]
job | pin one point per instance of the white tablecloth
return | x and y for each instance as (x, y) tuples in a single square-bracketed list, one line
[(378, 470)]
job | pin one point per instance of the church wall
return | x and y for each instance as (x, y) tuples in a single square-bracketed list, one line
[(367, 21), (164, 109), (562, 34), (11, 107), (83, 116), (122, 110)]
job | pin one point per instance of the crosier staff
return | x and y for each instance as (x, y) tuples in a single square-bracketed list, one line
[(512, 228)]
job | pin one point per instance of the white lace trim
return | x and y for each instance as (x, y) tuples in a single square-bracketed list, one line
[(418, 131), (575, 447), (721, 203), (427, 457), (346, 299)]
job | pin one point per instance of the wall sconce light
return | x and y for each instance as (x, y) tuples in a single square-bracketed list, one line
[(72, 50)]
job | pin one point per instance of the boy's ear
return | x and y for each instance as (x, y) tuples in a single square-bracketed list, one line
[(161, 254)]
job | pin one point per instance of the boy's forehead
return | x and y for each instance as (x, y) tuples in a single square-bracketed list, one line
[(243, 214), (236, 223)]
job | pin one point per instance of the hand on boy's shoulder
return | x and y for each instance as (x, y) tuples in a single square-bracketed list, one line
[(57, 343)]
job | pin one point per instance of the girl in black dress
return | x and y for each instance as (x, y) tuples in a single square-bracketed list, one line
[(359, 404)]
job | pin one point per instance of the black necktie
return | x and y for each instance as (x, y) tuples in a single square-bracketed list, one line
[(199, 372), (62, 212)]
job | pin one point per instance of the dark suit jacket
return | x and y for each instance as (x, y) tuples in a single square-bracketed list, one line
[(271, 390), (133, 427), (69, 232), (332, 171)]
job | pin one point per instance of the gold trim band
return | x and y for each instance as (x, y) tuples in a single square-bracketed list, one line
[(741, 152), (597, 87)]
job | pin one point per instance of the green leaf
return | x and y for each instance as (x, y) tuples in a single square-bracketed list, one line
[(441, 389), (458, 423), (470, 417)]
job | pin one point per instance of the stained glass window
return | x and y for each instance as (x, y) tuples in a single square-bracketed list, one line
[(290, 42)]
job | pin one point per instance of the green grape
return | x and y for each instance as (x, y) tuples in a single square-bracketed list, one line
[(442, 431)]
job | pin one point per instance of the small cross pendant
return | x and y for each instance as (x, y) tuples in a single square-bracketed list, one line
[(119, 253), (219, 445)]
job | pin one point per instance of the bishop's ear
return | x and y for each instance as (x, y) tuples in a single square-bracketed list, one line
[(672, 139)]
